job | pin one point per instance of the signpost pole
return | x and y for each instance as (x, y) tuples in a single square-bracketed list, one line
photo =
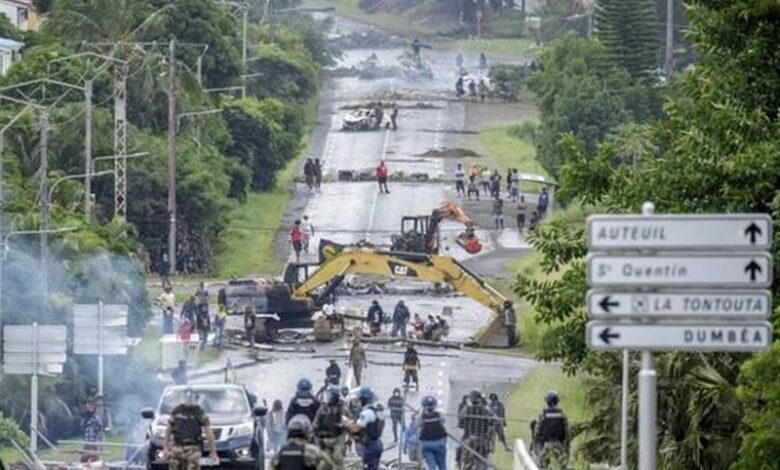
[(100, 348), (624, 415), (34, 392), (648, 397)]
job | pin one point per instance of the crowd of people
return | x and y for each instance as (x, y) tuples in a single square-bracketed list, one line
[(404, 324), (477, 181)]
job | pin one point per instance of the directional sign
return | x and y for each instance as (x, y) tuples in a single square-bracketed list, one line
[(709, 336), (100, 329), (30, 349), (692, 231), (741, 304), (681, 270)]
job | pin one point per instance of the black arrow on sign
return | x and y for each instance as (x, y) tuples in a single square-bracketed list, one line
[(753, 231), (606, 304), (607, 336), (753, 268)]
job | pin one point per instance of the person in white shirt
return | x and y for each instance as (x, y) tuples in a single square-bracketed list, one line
[(308, 232), (460, 180)]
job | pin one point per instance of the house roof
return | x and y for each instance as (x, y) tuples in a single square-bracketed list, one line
[(10, 45)]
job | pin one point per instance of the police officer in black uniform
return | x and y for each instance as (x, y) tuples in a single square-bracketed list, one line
[(333, 373), (433, 435), (551, 432), (297, 453), (303, 403)]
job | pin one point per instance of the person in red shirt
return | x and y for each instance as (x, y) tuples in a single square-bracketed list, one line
[(296, 237), (185, 330), (381, 177)]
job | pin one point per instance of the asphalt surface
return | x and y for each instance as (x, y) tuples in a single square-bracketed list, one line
[(348, 212)]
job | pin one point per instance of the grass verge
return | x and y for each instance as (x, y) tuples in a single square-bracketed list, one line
[(505, 47), (525, 402), (245, 250), (505, 150), (67, 453)]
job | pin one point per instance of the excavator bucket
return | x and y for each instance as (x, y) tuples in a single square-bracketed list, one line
[(468, 242)]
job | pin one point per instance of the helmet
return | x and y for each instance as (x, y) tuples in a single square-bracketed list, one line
[(429, 402), (190, 397), (475, 396), (299, 426), (551, 398), (366, 395), (334, 394), (304, 385)]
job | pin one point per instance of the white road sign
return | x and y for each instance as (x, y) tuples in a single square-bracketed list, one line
[(691, 231), (735, 304), (26, 352), (680, 270), (704, 336)]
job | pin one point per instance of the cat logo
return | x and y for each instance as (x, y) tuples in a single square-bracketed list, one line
[(401, 270)]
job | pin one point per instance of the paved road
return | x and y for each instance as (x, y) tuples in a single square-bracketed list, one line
[(348, 212)]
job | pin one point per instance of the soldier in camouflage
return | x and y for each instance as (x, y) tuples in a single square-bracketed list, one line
[(188, 424), (329, 426), (297, 453), (478, 423)]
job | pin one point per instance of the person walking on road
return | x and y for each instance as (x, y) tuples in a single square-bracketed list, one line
[(317, 174), (544, 200), (495, 185), (500, 411), (189, 309), (249, 326), (308, 173), (203, 325), (276, 427), (521, 214), (381, 177), (357, 359), (473, 188), (484, 180), (394, 117), (401, 316), (186, 427), (395, 404), (514, 185), (498, 212), (410, 366), (308, 232), (333, 373), (375, 317), (296, 238), (510, 323), (202, 298), (167, 302), (483, 62), (379, 115), (220, 319), (297, 453), (460, 180), (433, 435), (369, 427)]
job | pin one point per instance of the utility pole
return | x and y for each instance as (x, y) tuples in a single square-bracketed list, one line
[(43, 126), (244, 23), (88, 148), (271, 21), (669, 56), (120, 140), (172, 163)]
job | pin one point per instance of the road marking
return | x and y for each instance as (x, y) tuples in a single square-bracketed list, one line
[(372, 210)]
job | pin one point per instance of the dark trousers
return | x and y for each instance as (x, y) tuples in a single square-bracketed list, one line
[(460, 187), (372, 452), (411, 375), (511, 335), (383, 186), (398, 425)]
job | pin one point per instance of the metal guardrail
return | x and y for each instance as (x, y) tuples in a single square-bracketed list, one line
[(522, 459)]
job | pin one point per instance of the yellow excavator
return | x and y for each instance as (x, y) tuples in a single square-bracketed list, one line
[(316, 288), (420, 234)]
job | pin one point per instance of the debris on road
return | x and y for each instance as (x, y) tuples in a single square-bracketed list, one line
[(450, 153)]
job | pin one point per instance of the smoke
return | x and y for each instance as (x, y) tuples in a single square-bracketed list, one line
[(80, 270)]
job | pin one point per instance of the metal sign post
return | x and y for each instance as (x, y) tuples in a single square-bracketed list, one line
[(682, 282), (32, 350)]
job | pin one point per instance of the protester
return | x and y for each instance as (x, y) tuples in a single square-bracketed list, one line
[(534, 221), (308, 232), (500, 425), (296, 238), (484, 180), (410, 367), (250, 322), (510, 323), (308, 172), (495, 185), (498, 212), (185, 330), (473, 188), (189, 309), (220, 320), (167, 302), (357, 359), (460, 180), (514, 186), (203, 324), (92, 431), (394, 116), (381, 177), (375, 317), (521, 211), (544, 200), (317, 173), (202, 298), (276, 427), (418, 324), (400, 319), (379, 115), (396, 404), (483, 63)]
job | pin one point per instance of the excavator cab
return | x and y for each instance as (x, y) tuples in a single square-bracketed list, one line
[(414, 231)]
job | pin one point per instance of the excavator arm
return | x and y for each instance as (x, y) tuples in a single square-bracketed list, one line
[(413, 266)]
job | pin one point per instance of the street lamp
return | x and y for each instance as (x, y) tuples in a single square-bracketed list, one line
[(91, 173)]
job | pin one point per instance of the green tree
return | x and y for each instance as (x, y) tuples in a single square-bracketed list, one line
[(630, 30)]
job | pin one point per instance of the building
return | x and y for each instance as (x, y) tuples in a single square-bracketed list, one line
[(22, 13), (9, 52)]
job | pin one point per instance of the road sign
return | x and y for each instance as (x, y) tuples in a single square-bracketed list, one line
[(680, 270), (755, 304), (26, 346), (700, 336), (690, 231)]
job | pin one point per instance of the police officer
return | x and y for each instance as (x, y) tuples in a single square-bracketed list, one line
[(551, 432), (477, 421), (500, 411), (329, 426), (369, 427), (297, 453), (411, 366), (333, 373), (188, 423), (303, 403), (433, 435), (396, 405)]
